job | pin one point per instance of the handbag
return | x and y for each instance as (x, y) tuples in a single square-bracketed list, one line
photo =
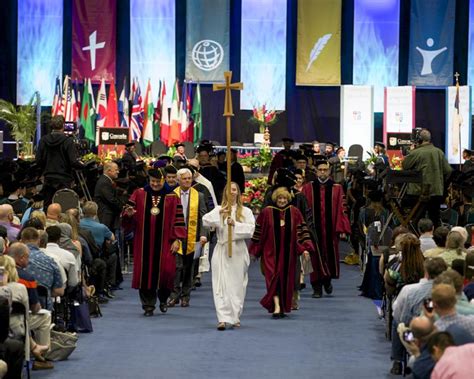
[(204, 265), (80, 317), (94, 307), (62, 345)]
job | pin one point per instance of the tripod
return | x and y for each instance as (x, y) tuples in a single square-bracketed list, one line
[(83, 184)]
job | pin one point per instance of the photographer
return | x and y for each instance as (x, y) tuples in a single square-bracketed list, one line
[(57, 156), (431, 162)]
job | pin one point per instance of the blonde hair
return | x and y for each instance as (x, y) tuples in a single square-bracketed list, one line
[(281, 191), (69, 219), (10, 268), (239, 214), (40, 215)]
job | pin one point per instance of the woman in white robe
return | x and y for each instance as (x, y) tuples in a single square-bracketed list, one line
[(229, 274)]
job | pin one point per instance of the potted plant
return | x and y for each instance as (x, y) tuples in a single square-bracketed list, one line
[(22, 123)]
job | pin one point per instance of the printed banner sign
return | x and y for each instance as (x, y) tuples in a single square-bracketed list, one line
[(207, 40), (398, 141), (357, 116), (112, 136), (399, 112), (431, 52), (318, 54), (94, 39), (458, 123)]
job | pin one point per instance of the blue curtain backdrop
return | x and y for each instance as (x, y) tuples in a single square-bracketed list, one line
[(312, 112)]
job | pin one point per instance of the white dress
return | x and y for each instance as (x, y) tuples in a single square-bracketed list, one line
[(229, 275)]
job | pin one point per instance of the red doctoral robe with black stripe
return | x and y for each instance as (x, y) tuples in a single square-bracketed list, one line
[(328, 206), (280, 237), (153, 264)]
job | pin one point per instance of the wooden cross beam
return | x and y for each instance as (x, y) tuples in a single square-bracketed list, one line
[(228, 114)]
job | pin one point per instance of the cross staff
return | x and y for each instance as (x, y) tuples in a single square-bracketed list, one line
[(456, 75), (228, 113)]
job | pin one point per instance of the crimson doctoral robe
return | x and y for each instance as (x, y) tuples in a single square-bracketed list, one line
[(328, 205), (280, 237), (153, 264)]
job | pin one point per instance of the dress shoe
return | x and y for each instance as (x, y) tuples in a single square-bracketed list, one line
[(101, 299), (109, 294), (37, 365), (276, 315), (148, 313), (185, 303), (197, 282), (317, 292), (396, 368), (172, 302), (328, 288), (221, 326), (163, 308), (302, 286)]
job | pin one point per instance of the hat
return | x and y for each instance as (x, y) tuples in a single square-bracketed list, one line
[(130, 144), (285, 178), (381, 144), (301, 157), (170, 169), (288, 139), (37, 197), (155, 173), (339, 149), (179, 144), (331, 144), (160, 164), (165, 157), (320, 159)]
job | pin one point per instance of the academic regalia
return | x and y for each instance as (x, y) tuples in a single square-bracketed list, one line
[(328, 204), (281, 235), (153, 262), (229, 275), (282, 159)]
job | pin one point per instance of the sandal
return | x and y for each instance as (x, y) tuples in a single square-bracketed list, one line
[(237, 325), (221, 326)]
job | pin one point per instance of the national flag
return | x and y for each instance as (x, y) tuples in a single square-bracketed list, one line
[(157, 115), (101, 105), (57, 98), (175, 132), (148, 112), (136, 119), (112, 119), (123, 108), (64, 99), (91, 96), (189, 108), (183, 109), (87, 114), (165, 120), (70, 102), (197, 115), (77, 97), (133, 88)]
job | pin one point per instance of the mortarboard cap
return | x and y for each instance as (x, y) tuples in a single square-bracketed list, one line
[(381, 144)]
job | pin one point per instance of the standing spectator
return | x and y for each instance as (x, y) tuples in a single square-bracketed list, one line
[(57, 156), (106, 198), (432, 163), (425, 228)]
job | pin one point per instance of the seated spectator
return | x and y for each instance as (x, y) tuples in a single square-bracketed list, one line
[(408, 304), (425, 227), (439, 237), (12, 352), (452, 361), (52, 214), (422, 329), (66, 242), (34, 223), (39, 324), (451, 277), (37, 205), (6, 220), (43, 268), (469, 274), (394, 248), (444, 305), (40, 215), (454, 247), (64, 257)]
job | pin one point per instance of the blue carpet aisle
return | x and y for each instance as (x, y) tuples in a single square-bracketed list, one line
[(332, 337)]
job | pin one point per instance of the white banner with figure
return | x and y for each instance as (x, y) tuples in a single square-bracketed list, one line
[(399, 112), (357, 117), (458, 122)]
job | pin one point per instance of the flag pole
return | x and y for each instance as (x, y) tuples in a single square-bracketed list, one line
[(456, 75), (228, 114)]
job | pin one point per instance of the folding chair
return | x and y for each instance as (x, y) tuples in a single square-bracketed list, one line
[(67, 198), (20, 310), (449, 217)]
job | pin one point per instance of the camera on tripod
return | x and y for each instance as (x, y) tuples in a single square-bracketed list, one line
[(415, 141)]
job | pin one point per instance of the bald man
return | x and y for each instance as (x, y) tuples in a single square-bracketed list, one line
[(52, 214), (6, 220), (106, 197), (422, 329)]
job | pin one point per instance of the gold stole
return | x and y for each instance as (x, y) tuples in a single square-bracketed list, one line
[(192, 221)]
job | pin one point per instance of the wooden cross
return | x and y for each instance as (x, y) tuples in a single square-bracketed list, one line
[(228, 113), (456, 75)]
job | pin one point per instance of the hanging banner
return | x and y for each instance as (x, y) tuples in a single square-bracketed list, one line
[(376, 44), (357, 116), (207, 40), (94, 39), (431, 52), (399, 110), (318, 53), (458, 123)]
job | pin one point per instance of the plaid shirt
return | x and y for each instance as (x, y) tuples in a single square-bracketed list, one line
[(465, 322)]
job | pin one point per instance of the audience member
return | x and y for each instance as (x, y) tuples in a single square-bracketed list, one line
[(454, 248), (469, 274), (453, 278), (6, 220), (425, 227), (52, 214), (439, 236)]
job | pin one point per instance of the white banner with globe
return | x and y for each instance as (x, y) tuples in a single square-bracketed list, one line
[(207, 40)]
